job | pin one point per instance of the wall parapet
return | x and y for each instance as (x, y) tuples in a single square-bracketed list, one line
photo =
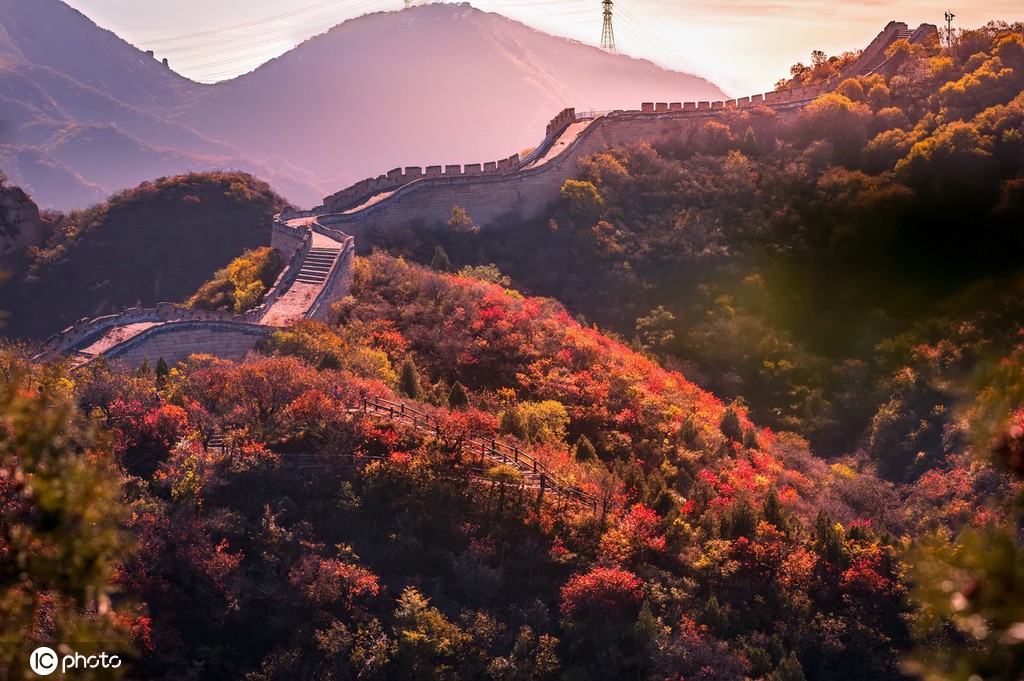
[(339, 280), (559, 123), (287, 276), (350, 197), (256, 331)]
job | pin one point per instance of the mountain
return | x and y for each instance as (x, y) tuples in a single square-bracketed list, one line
[(429, 85), (83, 113)]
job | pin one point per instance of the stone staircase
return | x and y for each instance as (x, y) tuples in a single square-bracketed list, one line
[(880, 58), (317, 265)]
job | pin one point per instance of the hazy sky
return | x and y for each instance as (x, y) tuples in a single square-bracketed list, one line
[(742, 46)]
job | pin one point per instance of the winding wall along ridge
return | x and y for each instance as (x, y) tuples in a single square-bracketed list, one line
[(516, 188), (174, 332), (509, 189)]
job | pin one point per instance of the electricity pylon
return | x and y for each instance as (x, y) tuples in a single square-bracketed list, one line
[(607, 34)]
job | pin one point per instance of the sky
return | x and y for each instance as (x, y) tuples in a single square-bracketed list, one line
[(744, 47)]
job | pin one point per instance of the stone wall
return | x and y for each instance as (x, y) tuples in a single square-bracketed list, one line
[(559, 123), (393, 179), (491, 201), (176, 341), (339, 281), (510, 192), (351, 197), (284, 237), (517, 189), (84, 331)]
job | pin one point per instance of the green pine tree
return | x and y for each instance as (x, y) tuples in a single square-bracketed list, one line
[(441, 263), (585, 449), (788, 670), (409, 379), (162, 373), (145, 369), (731, 426), (458, 398)]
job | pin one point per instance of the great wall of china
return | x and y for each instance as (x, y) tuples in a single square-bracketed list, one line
[(319, 271), (515, 189)]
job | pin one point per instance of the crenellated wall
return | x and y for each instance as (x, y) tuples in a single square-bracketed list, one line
[(563, 120), (493, 200), (351, 197), (517, 189), (393, 179)]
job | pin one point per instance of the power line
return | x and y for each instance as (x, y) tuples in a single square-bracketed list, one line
[(310, 25), (285, 31), (652, 41)]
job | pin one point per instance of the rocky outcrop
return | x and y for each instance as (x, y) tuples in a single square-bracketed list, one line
[(20, 227)]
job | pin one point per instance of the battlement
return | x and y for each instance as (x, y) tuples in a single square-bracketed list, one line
[(563, 120), (796, 95), (514, 189), (399, 177)]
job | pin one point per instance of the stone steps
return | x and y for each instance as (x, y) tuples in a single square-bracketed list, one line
[(317, 265), (879, 58)]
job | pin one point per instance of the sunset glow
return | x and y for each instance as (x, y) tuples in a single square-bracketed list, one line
[(743, 47)]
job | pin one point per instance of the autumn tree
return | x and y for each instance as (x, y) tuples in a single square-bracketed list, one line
[(61, 534), (428, 644), (582, 199)]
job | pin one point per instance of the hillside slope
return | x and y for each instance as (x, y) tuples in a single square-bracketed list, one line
[(138, 248)]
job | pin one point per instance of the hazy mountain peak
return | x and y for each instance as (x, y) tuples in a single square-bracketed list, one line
[(435, 84), (50, 33), (438, 83)]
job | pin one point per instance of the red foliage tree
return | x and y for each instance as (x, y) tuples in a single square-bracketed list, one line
[(602, 592)]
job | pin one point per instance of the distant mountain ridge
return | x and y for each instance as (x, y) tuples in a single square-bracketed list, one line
[(83, 113), (434, 84)]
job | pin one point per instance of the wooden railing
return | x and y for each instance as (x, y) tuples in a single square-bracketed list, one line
[(494, 450)]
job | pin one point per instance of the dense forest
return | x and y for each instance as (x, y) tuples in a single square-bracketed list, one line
[(843, 272), (781, 360), (320, 543)]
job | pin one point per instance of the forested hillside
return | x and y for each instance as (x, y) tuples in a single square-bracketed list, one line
[(779, 364), (844, 272), (155, 243), (716, 549)]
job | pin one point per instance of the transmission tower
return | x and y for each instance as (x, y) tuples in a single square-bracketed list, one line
[(607, 34)]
